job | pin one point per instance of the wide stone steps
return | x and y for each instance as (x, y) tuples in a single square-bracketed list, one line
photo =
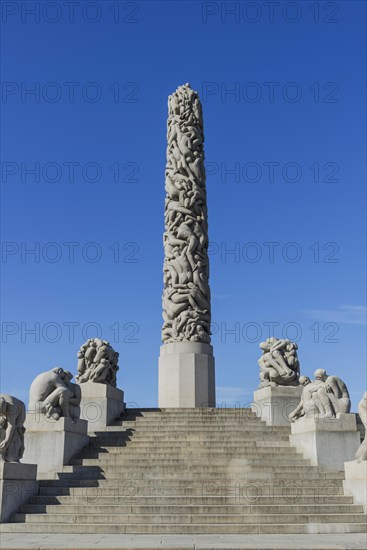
[(196, 471), (223, 509), (252, 518), (189, 529), (187, 501), (132, 462), (224, 456)]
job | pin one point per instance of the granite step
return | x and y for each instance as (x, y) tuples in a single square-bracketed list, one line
[(203, 509), (182, 500), (161, 529)]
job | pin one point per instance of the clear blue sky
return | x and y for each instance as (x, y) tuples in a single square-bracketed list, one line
[(292, 131)]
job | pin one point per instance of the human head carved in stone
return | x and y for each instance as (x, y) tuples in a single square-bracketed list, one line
[(320, 374)]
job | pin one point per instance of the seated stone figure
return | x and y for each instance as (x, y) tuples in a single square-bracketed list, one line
[(326, 396), (361, 453), (300, 410), (52, 394), (12, 417), (279, 364), (97, 362), (335, 399)]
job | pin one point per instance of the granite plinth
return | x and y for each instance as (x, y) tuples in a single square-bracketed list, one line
[(355, 482), (52, 443), (17, 485), (327, 442), (273, 404), (101, 404), (186, 375)]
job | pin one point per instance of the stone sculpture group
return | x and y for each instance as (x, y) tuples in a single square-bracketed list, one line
[(186, 329), (186, 294), (326, 396), (97, 362), (279, 364)]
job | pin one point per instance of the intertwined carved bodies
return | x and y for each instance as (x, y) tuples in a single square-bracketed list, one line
[(186, 294), (279, 363), (97, 362)]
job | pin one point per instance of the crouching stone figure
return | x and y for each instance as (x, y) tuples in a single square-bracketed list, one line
[(12, 417), (53, 394), (326, 396)]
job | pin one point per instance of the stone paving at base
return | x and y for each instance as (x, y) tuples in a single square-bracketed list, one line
[(23, 541)]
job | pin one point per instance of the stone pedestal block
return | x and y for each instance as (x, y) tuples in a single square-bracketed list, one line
[(355, 483), (327, 442), (186, 375), (101, 404), (50, 443), (273, 404), (17, 485)]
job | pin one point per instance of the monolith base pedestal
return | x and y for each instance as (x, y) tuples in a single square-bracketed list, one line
[(50, 443), (273, 404), (355, 482), (186, 375), (101, 405), (17, 485), (327, 442)]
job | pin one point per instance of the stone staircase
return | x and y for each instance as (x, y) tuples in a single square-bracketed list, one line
[(190, 471)]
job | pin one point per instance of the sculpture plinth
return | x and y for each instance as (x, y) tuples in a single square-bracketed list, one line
[(186, 364), (52, 443), (327, 442), (355, 482), (186, 375), (17, 485), (274, 403), (101, 404)]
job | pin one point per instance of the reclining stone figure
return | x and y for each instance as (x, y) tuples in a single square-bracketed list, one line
[(12, 417), (52, 394), (279, 364)]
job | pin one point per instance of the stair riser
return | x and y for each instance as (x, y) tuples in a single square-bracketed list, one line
[(187, 529), (276, 509)]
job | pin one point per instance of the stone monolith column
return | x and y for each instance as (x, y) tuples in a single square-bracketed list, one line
[(186, 363)]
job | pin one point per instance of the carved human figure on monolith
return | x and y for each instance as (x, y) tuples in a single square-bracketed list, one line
[(186, 360), (12, 417), (279, 364), (361, 453), (51, 394), (97, 362), (186, 294)]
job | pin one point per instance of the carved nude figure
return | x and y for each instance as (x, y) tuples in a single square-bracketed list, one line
[(12, 417), (335, 397), (279, 363), (75, 398), (97, 362), (186, 294), (361, 453), (50, 394)]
